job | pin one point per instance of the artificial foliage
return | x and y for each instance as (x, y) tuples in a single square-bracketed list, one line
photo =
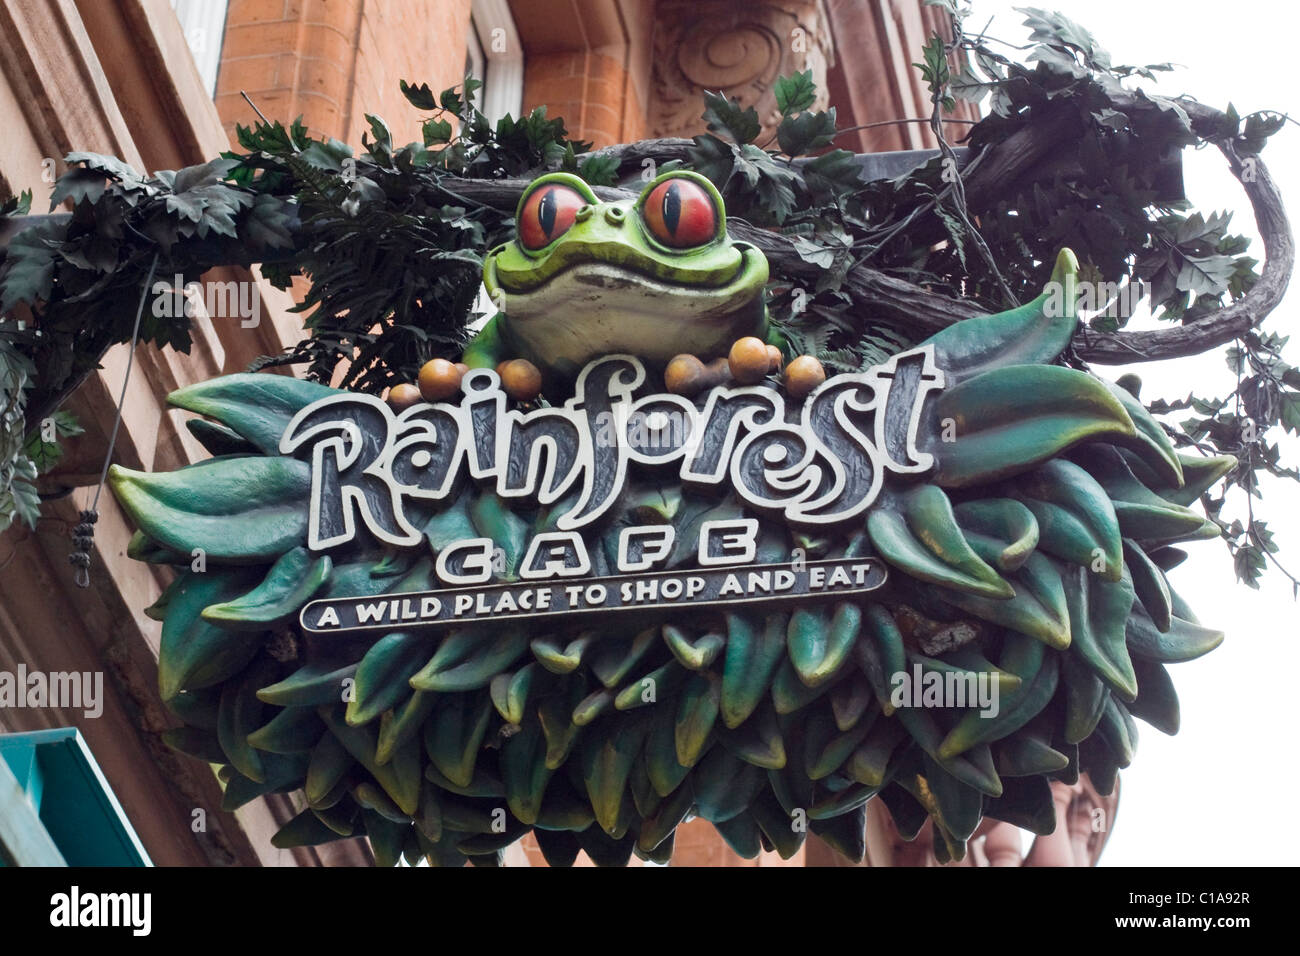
[(1034, 552)]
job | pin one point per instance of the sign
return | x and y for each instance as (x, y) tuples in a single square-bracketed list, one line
[(812, 580), (466, 602), (820, 464)]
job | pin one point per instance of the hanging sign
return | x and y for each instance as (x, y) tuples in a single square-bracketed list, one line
[(819, 464)]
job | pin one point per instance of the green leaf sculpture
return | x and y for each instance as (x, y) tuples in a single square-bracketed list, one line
[(1025, 555)]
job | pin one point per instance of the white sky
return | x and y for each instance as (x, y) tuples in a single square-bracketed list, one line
[(1210, 796)]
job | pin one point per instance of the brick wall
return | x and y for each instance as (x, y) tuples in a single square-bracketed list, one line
[(590, 90), (589, 63), (333, 61)]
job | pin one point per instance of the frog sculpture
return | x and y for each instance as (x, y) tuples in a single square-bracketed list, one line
[(657, 276)]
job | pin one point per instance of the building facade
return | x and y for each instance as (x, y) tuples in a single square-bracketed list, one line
[(164, 85)]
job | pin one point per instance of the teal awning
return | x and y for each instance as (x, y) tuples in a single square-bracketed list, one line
[(57, 809)]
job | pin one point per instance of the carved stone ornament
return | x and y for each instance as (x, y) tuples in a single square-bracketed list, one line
[(734, 48)]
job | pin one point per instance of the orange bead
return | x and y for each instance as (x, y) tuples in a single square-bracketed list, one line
[(803, 375), (403, 396), (521, 380), (439, 380), (684, 375), (749, 360)]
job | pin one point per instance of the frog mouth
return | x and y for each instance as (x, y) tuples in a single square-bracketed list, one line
[(584, 277)]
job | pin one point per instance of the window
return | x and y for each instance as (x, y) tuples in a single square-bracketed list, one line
[(495, 56), (204, 25)]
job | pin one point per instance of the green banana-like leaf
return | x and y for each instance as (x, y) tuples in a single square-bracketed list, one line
[(1199, 475), (1184, 641), (1149, 584), (327, 767), (218, 439), (202, 744), (846, 834), (1038, 607), (694, 653), (382, 675), (292, 730), (966, 662), (257, 407), (1005, 519), (725, 785), (1025, 755), (881, 654), (1035, 333), (399, 778), (754, 648), (1085, 696), (524, 772), (493, 519), (1076, 519), (976, 728), (290, 583), (612, 657), (1156, 701), (974, 766), (453, 738), (511, 693), (696, 714), (819, 643), (830, 754), (312, 685), (1142, 513), (1150, 442), (869, 763), (758, 740), (451, 524), (995, 433), (306, 829), (1099, 613), (241, 510), (924, 539), (957, 807), (194, 653), (403, 723), (1118, 731), (240, 714), (606, 764), (470, 657), (852, 699), (1026, 803)]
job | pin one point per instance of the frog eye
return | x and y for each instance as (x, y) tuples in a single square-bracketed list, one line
[(679, 213), (547, 214)]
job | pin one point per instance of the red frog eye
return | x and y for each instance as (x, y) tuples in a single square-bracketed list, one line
[(679, 213), (547, 214)]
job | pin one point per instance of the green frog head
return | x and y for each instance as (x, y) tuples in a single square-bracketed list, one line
[(655, 276)]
